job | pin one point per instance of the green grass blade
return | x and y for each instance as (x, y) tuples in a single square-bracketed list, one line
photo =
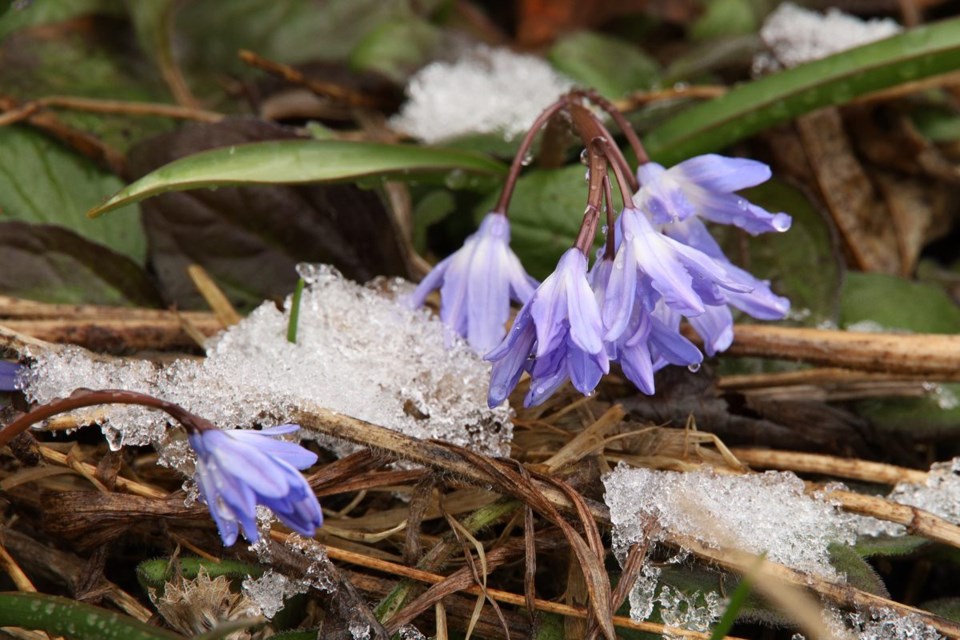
[(74, 620), (838, 79), (299, 161)]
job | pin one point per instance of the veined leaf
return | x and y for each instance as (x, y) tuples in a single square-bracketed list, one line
[(837, 79), (297, 161)]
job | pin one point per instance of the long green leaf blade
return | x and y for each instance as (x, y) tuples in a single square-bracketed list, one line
[(838, 79), (297, 161), (74, 620)]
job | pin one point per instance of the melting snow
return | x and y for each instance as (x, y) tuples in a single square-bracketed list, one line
[(795, 35), (358, 352), (487, 90), (766, 513), (940, 495)]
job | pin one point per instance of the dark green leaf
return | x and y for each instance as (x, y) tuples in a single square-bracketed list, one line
[(432, 208), (78, 63), (52, 264), (938, 125), (545, 215), (612, 66), (859, 573), (251, 238), (41, 181), (936, 415), (396, 49), (889, 546), (838, 79), (948, 608), (40, 12), (295, 162), (76, 620), (891, 302), (801, 263), (726, 18)]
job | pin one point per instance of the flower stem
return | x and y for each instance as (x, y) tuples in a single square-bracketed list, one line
[(518, 161), (295, 312), (88, 398), (624, 125), (610, 248)]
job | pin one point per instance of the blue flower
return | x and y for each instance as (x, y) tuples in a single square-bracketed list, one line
[(704, 186), (715, 325), (8, 375), (477, 283), (557, 336), (239, 469), (650, 266)]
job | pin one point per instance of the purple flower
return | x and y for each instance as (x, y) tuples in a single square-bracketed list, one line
[(651, 340), (650, 266), (239, 469), (8, 375), (704, 186), (715, 325), (556, 336), (477, 283)]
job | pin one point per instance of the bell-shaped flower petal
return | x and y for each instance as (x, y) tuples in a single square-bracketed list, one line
[(476, 285), (704, 186), (237, 470), (557, 336), (8, 375)]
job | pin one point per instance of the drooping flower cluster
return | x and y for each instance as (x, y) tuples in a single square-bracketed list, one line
[(240, 469), (664, 266)]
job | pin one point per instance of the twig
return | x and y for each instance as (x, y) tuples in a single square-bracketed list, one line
[(853, 469), (496, 594), (934, 356), (641, 98), (918, 521), (291, 75), (817, 376), (126, 107)]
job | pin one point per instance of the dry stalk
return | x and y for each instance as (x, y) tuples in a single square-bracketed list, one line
[(851, 468), (918, 521)]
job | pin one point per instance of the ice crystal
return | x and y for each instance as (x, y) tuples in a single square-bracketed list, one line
[(358, 352), (270, 590), (876, 624), (766, 513), (360, 631), (940, 495), (697, 611), (487, 90), (796, 35)]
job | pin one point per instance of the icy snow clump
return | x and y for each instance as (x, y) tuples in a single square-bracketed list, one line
[(764, 513), (796, 35), (358, 352), (940, 495), (487, 90)]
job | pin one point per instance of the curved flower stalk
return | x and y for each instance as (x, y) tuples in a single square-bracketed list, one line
[(477, 284), (556, 337), (704, 186), (239, 469)]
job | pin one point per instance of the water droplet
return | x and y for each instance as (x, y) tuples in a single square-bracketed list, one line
[(586, 175), (526, 160), (742, 204), (456, 179), (585, 157), (694, 367)]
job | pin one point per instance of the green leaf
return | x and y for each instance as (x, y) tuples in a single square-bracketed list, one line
[(725, 18), (396, 49), (948, 608), (837, 79), (155, 573), (42, 182), (545, 215), (52, 264), (859, 573), (40, 12), (610, 65), (78, 63), (889, 546), (297, 161), (800, 263), (75, 620), (897, 303)]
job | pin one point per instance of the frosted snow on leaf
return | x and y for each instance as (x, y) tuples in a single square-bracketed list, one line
[(317, 574), (410, 632), (643, 594), (796, 35), (487, 90), (766, 513), (696, 611), (876, 624), (358, 352), (270, 590)]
